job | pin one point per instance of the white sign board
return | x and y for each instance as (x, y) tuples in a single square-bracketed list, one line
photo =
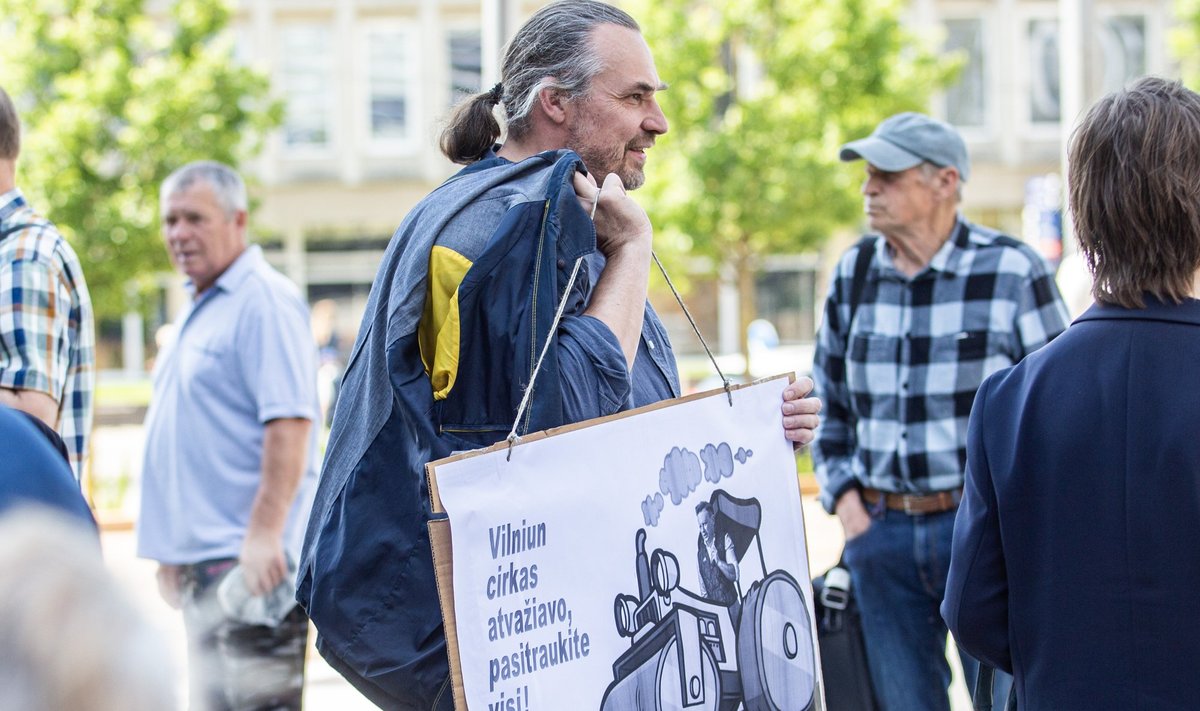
[(652, 561)]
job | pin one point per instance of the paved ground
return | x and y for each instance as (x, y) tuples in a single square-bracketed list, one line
[(326, 690)]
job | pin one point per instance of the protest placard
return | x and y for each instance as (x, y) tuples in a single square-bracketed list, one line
[(650, 560)]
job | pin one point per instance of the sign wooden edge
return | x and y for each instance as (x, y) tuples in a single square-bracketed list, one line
[(435, 499), (443, 572), (439, 528)]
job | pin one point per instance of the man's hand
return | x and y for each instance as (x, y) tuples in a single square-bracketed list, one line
[(621, 223), (169, 587), (711, 549), (800, 416), (853, 514), (624, 237), (263, 562)]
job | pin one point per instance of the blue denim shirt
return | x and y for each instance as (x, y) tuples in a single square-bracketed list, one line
[(366, 576)]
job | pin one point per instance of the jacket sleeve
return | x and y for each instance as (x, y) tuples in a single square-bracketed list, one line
[(834, 448), (976, 604)]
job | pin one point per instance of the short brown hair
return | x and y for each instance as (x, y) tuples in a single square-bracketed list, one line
[(1134, 176), (10, 128)]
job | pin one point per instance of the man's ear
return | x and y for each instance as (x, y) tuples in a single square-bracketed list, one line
[(947, 181), (553, 103)]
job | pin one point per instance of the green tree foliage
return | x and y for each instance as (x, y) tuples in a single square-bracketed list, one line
[(1185, 41), (112, 99), (762, 93)]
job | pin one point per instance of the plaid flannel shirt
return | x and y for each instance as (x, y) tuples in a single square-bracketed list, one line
[(47, 339), (898, 381)]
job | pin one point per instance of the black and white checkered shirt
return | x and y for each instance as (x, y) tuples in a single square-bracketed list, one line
[(898, 381)]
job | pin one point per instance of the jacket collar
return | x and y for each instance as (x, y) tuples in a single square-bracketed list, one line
[(1155, 310)]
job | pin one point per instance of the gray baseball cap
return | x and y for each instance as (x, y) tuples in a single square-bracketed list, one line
[(908, 139)]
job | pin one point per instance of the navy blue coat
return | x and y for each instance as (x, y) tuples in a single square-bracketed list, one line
[(366, 576), (32, 472), (1076, 559)]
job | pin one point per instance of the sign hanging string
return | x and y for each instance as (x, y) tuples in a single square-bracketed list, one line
[(513, 437)]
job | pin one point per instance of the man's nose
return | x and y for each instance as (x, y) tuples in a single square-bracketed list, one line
[(656, 122), (175, 233)]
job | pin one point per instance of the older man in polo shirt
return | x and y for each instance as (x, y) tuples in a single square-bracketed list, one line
[(230, 450), (915, 319)]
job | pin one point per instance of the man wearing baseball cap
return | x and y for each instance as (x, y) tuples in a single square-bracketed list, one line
[(916, 317)]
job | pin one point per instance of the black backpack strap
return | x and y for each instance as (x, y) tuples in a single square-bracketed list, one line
[(862, 264), (11, 229)]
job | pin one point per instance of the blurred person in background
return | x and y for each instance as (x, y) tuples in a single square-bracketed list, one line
[(1075, 564), (70, 638), (231, 438), (914, 320), (329, 355), (47, 339)]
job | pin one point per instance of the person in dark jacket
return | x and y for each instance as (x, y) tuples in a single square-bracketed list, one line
[(1074, 563), (463, 302), (34, 472)]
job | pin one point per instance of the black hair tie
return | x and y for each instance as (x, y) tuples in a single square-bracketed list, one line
[(497, 93)]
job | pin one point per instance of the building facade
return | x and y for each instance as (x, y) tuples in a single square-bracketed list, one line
[(368, 83)]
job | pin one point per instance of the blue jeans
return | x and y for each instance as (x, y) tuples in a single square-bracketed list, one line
[(898, 567)]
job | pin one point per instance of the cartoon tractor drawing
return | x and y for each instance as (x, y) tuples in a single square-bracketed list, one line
[(689, 651)]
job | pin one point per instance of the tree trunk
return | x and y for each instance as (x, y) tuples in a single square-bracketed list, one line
[(746, 269)]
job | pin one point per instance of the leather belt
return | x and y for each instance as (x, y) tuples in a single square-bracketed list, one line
[(914, 504)]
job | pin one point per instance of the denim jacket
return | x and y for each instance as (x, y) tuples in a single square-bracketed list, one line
[(459, 310)]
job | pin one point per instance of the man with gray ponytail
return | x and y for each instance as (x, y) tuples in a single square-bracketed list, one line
[(464, 300)]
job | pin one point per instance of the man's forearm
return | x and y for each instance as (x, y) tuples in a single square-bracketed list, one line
[(619, 299), (285, 450), (34, 402)]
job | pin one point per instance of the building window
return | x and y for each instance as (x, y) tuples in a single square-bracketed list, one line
[(786, 298), (466, 64), (389, 85), (965, 100), (1044, 97), (306, 78), (1123, 46)]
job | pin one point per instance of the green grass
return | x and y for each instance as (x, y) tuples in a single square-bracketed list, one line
[(804, 463), (121, 393)]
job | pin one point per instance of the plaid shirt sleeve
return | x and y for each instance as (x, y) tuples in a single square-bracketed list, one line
[(1041, 312), (34, 310), (46, 338), (834, 448)]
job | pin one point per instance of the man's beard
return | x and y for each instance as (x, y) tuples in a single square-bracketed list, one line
[(600, 165), (600, 162)]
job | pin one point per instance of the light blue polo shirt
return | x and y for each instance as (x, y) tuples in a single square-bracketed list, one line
[(242, 355)]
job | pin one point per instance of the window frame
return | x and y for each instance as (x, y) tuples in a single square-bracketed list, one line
[(986, 128), (459, 28), (409, 32), (327, 149)]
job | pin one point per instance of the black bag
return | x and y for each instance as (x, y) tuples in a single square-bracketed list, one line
[(981, 695), (840, 638)]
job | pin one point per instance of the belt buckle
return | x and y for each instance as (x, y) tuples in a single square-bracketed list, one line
[(908, 505)]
